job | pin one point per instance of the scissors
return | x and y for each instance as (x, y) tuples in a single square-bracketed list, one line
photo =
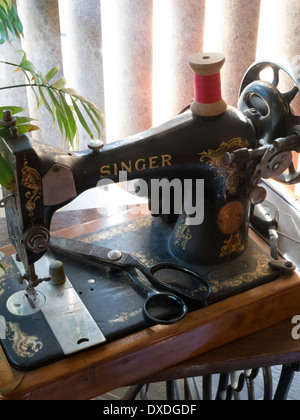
[(162, 307)]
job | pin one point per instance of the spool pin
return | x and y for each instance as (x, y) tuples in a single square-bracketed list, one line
[(208, 96)]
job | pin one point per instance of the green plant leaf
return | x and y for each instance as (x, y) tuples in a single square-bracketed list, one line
[(44, 101), (49, 76), (23, 120), (88, 111), (60, 124), (22, 129), (2, 267), (61, 113), (70, 117), (69, 91), (28, 66), (6, 22), (4, 5), (17, 24), (98, 115), (59, 83), (54, 97), (81, 118), (27, 128), (14, 110), (10, 21), (6, 176)]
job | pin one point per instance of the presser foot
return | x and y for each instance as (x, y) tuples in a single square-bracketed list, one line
[(30, 301), (33, 281)]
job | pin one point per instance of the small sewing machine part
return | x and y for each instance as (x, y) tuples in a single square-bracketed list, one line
[(232, 150)]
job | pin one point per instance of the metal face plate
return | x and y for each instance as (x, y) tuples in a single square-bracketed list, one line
[(68, 318)]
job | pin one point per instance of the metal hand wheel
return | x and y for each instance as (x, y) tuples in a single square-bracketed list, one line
[(269, 109)]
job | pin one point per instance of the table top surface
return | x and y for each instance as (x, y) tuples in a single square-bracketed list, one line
[(167, 352)]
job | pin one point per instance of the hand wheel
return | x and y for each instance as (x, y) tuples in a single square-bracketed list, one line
[(269, 109)]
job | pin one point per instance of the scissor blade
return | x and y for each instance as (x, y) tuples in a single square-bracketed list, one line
[(88, 251), (101, 255)]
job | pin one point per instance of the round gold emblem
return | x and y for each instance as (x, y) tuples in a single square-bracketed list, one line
[(230, 217)]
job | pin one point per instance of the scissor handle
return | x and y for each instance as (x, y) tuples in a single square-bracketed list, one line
[(185, 292), (150, 273), (164, 308)]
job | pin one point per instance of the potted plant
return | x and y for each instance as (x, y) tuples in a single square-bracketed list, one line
[(67, 108)]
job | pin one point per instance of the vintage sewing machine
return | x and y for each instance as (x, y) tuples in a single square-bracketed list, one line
[(223, 152)]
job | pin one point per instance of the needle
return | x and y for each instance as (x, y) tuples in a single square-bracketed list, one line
[(31, 303)]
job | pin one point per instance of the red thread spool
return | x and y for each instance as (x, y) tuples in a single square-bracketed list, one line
[(208, 88), (208, 96)]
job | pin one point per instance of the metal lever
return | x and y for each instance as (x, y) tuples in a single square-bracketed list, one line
[(265, 219), (5, 200), (283, 266)]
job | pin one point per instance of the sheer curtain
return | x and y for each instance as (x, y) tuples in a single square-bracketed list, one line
[(130, 56)]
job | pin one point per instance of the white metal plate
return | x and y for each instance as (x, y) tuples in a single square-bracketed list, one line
[(67, 316)]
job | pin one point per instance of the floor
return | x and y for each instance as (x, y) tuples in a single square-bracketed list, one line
[(91, 203)]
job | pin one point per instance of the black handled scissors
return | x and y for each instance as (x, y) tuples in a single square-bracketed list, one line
[(162, 307)]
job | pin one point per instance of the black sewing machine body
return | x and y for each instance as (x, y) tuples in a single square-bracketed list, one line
[(187, 147)]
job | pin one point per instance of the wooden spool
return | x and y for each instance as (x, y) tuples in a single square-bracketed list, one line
[(207, 64)]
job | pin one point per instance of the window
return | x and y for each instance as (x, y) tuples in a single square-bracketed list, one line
[(129, 57)]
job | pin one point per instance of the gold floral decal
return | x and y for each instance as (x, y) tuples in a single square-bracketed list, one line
[(215, 158), (262, 269), (183, 234), (234, 244), (124, 316), (5, 276), (31, 179), (23, 345)]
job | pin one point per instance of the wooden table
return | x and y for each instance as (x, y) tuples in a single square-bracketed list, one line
[(246, 331)]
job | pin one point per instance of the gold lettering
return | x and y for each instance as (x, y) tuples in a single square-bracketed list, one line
[(125, 167), (153, 163), (166, 160), (115, 169), (138, 167), (105, 171)]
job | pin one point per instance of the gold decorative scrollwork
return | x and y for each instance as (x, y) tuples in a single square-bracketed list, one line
[(24, 345), (183, 234), (32, 181), (237, 280), (233, 244), (215, 158), (5, 275)]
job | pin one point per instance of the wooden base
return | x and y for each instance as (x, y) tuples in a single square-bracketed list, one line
[(143, 354), (139, 355)]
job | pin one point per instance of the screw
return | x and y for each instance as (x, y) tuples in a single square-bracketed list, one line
[(276, 166), (13, 132), (7, 115), (8, 120), (96, 145), (114, 255)]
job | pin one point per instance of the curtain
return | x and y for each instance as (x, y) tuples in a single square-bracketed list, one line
[(130, 56)]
